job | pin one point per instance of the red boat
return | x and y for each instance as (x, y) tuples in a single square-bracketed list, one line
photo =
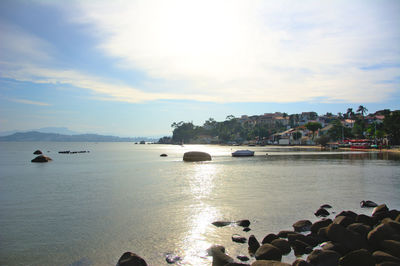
[(360, 144)]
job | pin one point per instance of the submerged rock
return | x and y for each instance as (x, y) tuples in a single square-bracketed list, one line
[(196, 156), (38, 152), (367, 204), (131, 259), (253, 245), (321, 212), (163, 155), (238, 238), (41, 159), (243, 223), (302, 226), (268, 252), (221, 223)]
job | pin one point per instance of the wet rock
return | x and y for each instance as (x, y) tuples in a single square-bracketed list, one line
[(268, 252), (221, 223), (41, 159), (306, 239), (350, 214), (367, 204), (196, 156), (380, 233), (343, 220), (283, 245), (347, 238), (326, 206), (300, 248), (219, 256), (236, 264), (391, 247), (321, 212), (163, 155), (393, 214), (131, 259), (172, 258), (269, 263), (357, 257), (381, 256), (323, 233), (365, 219), (302, 226), (246, 229), (300, 262), (342, 250), (243, 223), (379, 209), (323, 258), (242, 258), (360, 228), (269, 238), (387, 263), (37, 152), (238, 238), (253, 244), (284, 233), (319, 224)]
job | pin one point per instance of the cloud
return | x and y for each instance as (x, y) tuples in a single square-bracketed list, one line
[(230, 51), (24, 101)]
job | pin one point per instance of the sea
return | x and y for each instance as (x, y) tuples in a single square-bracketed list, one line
[(89, 208)]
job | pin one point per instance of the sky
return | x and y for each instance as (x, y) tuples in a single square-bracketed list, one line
[(132, 68)]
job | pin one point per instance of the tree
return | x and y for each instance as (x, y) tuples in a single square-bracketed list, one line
[(338, 131), (350, 113), (296, 135), (362, 110), (323, 140), (313, 126), (391, 125)]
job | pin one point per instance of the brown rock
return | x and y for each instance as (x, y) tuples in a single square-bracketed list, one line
[(284, 233), (380, 208), (306, 239), (380, 233), (302, 226), (323, 258), (41, 159), (300, 248), (131, 259), (300, 262), (344, 220), (381, 256), (253, 244), (37, 152), (221, 223), (269, 238), (269, 263), (196, 156), (238, 239), (319, 224), (339, 248), (283, 245), (365, 219), (391, 247), (243, 223), (357, 257), (321, 212), (347, 238), (268, 252), (360, 228), (219, 256)]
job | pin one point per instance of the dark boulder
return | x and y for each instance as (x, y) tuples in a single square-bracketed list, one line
[(343, 220), (321, 212), (326, 206), (319, 224), (283, 245), (269, 263), (381, 256), (246, 229), (131, 259), (269, 238), (238, 239), (215, 248), (339, 248), (306, 239), (41, 159), (253, 244), (268, 252), (163, 155), (300, 262), (300, 248), (365, 219), (367, 204), (302, 226), (284, 233), (381, 232), (219, 256), (243, 223), (357, 257), (236, 264), (323, 233), (242, 258), (350, 214), (323, 258), (380, 208), (221, 223), (196, 156), (391, 247), (360, 228), (37, 152), (347, 238)]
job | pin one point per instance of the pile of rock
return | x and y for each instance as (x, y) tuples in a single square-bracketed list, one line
[(41, 158), (349, 239)]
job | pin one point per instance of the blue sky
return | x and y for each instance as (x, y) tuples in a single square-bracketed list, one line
[(132, 68)]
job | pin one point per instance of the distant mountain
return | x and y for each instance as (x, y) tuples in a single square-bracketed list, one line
[(57, 130), (39, 136)]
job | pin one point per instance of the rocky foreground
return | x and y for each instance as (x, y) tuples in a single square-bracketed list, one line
[(350, 239)]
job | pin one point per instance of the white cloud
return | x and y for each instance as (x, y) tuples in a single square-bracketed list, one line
[(232, 51), (25, 101)]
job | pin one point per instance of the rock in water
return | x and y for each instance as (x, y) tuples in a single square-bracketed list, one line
[(253, 244), (323, 258), (268, 252), (357, 257), (243, 223), (37, 152), (196, 156), (368, 204), (238, 238), (41, 159), (302, 226), (163, 155), (321, 212), (221, 223), (172, 258), (131, 259)]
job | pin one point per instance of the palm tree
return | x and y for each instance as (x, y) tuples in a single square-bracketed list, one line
[(362, 110)]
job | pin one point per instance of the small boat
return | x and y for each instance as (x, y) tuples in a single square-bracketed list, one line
[(242, 153)]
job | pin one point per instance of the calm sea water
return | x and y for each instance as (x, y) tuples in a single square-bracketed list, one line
[(88, 209)]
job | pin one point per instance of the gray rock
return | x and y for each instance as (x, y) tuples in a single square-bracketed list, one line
[(323, 258), (242, 258), (347, 238), (300, 248), (172, 258), (284, 233), (268, 252), (131, 259)]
